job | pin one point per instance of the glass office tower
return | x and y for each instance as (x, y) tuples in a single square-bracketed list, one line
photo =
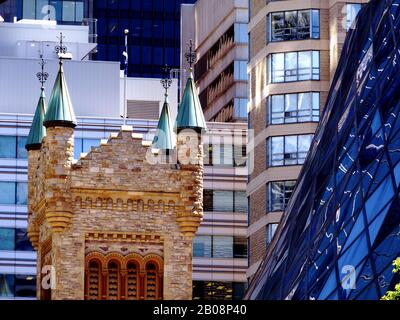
[(341, 229), (63, 11), (154, 38)]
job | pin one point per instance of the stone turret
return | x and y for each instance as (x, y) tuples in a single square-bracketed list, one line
[(190, 126), (33, 145), (60, 122)]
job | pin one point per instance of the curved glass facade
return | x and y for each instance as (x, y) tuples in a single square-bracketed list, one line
[(341, 229)]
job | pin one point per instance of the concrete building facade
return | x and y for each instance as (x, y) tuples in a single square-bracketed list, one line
[(221, 44), (294, 49)]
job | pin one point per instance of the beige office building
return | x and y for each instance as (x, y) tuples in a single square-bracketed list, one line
[(294, 49), (219, 33)]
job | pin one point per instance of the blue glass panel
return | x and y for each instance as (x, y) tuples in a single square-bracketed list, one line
[(6, 285), (7, 192), (7, 239), (8, 146)]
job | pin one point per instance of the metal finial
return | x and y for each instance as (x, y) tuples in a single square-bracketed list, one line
[(190, 55), (60, 48), (42, 75), (167, 81)]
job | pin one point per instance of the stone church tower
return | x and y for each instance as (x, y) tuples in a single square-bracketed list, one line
[(113, 225)]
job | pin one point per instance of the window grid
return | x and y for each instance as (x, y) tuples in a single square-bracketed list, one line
[(288, 150), (294, 25), (294, 66), (281, 108)]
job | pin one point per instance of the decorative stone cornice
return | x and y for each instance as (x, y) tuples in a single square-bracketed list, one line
[(123, 237)]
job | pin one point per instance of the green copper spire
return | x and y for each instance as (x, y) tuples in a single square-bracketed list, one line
[(190, 114), (60, 112), (38, 131), (163, 140)]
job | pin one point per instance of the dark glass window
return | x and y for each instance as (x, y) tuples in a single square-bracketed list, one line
[(7, 239), (155, 29), (224, 201), (239, 247), (218, 290), (294, 25), (279, 193), (219, 247), (6, 285), (22, 242), (25, 286)]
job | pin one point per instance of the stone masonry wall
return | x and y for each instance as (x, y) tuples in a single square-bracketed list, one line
[(115, 199)]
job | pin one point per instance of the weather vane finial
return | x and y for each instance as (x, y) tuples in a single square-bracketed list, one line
[(60, 48), (167, 81), (42, 75), (191, 54)]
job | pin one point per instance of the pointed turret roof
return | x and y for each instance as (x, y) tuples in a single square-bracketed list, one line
[(164, 138), (60, 111), (190, 114), (38, 131)]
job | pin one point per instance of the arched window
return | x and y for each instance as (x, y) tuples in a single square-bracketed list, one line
[(151, 283), (113, 281), (132, 281), (93, 281)]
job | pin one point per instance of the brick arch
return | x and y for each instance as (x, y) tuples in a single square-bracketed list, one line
[(153, 278), (150, 205), (113, 256), (129, 205), (160, 206), (109, 203), (119, 203), (78, 202), (88, 202), (94, 283), (96, 256), (159, 261), (134, 257), (122, 283), (99, 202), (140, 205)]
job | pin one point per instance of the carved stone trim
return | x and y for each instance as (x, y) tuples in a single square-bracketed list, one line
[(124, 237)]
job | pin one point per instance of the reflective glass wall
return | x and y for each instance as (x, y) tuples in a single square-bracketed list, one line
[(154, 38), (341, 228)]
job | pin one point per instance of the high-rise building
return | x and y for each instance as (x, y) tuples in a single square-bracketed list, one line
[(294, 49), (220, 47), (221, 44), (154, 34), (341, 229)]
